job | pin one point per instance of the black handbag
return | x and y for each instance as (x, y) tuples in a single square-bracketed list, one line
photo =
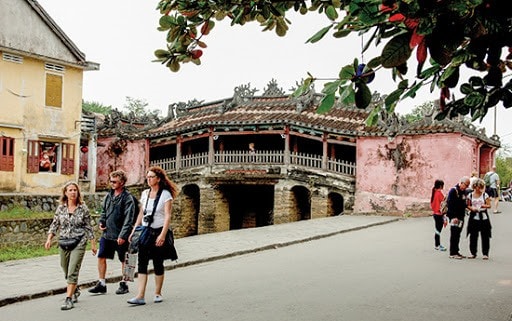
[(69, 243), (142, 234)]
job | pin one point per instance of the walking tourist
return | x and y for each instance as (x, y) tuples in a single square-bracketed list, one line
[(72, 222), (156, 206), (116, 223), (492, 183)]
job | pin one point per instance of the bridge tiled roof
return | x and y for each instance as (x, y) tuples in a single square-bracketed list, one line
[(265, 111), (276, 110)]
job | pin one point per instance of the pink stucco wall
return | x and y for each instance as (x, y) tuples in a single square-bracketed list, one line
[(396, 176), (132, 160)]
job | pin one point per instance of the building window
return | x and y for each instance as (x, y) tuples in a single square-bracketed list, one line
[(53, 90), (6, 154), (50, 157)]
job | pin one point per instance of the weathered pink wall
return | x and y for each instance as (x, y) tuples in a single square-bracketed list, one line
[(397, 176), (132, 160)]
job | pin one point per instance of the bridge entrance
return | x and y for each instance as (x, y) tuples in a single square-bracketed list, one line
[(249, 205)]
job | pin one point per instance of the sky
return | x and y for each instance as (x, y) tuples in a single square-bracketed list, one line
[(121, 35)]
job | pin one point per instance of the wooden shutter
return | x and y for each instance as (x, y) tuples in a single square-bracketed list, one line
[(53, 90), (33, 156), (6, 154), (68, 159)]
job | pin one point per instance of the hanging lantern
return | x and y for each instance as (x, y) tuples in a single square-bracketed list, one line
[(84, 149)]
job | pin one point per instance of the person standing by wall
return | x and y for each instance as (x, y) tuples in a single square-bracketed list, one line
[(73, 223), (456, 211), (493, 189), (479, 221), (435, 204), (116, 223), (156, 213)]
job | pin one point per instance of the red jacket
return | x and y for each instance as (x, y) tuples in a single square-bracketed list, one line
[(435, 204)]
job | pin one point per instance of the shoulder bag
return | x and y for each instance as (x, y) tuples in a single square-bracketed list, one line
[(142, 234)]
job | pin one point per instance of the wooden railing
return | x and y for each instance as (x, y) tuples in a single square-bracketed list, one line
[(257, 158)]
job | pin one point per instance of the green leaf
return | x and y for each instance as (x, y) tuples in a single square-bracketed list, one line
[(331, 13), (319, 35), (345, 93), (474, 99), (331, 87), (375, 62), (466, 89), (166, 22), (396, 52), (347, 72), (341, 33), (326, 103), (161, 53), (392, 99), (373, 117)]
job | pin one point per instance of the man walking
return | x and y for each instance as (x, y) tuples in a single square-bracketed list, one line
[(492, 182), (116, 222), (456, 201)]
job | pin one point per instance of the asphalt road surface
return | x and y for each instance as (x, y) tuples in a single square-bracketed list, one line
[(389, 272)]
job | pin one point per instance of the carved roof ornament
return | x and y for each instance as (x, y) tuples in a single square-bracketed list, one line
[(273, 90), (305, 100), (242, 94)]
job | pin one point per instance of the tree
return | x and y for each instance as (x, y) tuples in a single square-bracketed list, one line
[(419, 112), (96, 107), (456, 34), (139, 108)]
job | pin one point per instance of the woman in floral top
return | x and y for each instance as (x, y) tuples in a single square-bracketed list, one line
[(71, 220)]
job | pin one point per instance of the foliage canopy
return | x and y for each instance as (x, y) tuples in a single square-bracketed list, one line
[(453, 34)]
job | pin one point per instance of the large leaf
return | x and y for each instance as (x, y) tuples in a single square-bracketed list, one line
[(319, 35), (396, 52), (363, 95), (326, 103)]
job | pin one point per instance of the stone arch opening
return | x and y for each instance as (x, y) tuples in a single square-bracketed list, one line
[(249, 205), (189, 213), (335, 204), (301, 203)]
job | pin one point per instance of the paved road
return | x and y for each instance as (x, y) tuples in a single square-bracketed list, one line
[(387, 272), (33, 278)]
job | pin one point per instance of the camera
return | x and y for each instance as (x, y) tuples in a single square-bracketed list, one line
[(148, 219)]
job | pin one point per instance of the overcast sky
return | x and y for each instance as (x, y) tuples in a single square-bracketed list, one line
[(121, 35)]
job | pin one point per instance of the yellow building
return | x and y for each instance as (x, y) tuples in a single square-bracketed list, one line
[(41, 80)]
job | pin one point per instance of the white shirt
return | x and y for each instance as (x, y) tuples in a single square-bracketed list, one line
[(159, 216)]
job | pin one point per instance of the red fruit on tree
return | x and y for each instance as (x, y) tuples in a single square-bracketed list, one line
[(196, 54)]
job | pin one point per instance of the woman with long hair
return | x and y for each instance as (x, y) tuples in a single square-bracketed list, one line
[(155, 212), (479, 221), (73, 222), (436, 198)]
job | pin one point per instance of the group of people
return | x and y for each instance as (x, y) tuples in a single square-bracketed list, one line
[(118, 220), (470, 197)]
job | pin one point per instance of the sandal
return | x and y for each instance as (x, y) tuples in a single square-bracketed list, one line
[(485, 257), (472, 257)]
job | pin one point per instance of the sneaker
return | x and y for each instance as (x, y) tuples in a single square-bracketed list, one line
[(98, 288), (76, 294), (440, 248), (136, 301), (123, 288), (158, 298), (67, 305)]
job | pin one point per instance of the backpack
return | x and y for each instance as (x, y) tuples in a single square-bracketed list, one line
[(444, 205), (487, 179), (136, 206)]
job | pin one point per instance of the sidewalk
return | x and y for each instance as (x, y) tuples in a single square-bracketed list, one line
[(34, 278)]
